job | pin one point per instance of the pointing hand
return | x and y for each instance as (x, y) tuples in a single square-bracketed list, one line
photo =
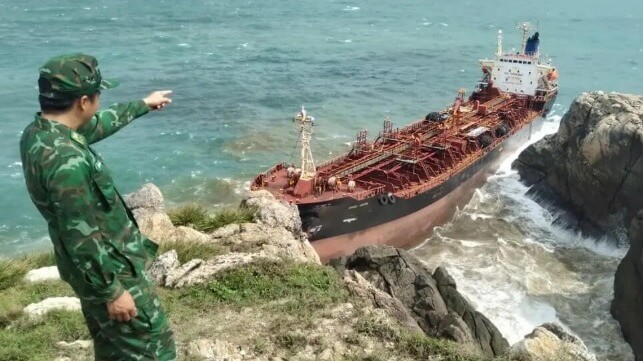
[(158, 99)]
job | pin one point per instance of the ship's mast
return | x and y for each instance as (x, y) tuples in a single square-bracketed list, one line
[(305, 124), (499, 48), (525, 27)]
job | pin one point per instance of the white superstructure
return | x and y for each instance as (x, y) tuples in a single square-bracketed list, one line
[(520, 72)]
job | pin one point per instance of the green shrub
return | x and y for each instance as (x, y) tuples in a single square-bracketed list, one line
[(197, 217), (415, 344), (14, 269), (188, 215), (187, 250), (28, 340), (301, 287)]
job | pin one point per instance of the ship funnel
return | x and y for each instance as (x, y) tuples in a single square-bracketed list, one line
[(531, 48)]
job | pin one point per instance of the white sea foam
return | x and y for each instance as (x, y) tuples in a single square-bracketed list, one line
[(351, 8), (520, 280), (184, 45)]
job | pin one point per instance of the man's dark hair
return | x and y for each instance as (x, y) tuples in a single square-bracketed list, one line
[(49, 105)]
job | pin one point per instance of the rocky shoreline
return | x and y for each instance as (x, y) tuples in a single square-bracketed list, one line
[(592, 168), (396, 308)]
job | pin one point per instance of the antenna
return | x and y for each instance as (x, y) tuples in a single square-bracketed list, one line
[(499, 48), (305, 125), (525, 27)]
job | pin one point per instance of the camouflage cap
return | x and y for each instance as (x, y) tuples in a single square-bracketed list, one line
[(71, 76)]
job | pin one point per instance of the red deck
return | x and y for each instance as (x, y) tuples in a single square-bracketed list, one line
[(410, 160)]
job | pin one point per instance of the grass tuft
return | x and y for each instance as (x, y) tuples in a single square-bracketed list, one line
[(303, 288), (414, 344), (188, 215), (28, 340), (187, 250), (14, 269), (291, 341), (197, 217)]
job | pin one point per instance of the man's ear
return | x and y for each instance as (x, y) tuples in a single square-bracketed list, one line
[(83, 102)]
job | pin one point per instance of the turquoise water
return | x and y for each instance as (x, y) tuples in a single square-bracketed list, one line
[(241, 69)]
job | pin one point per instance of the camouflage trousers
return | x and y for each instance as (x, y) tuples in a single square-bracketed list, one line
[(145, 337)]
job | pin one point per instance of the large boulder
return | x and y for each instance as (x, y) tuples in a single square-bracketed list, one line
[(628, 289), (276, 235), (39, 309), (42, 274), (432, 300), (148, 209), (551, 342), (594, 163)]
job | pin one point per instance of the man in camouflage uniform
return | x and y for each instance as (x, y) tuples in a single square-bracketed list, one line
[(99, 249)]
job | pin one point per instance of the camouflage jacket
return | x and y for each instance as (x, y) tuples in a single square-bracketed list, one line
[(95, 237)]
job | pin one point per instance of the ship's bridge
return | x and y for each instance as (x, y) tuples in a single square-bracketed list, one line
[(521, 72)]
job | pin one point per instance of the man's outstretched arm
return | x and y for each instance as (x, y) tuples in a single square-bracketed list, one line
[(109, 121)]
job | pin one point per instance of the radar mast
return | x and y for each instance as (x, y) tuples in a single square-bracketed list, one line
[(305, 125)]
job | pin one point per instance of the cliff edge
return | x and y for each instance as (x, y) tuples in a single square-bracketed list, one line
[(593, 166)]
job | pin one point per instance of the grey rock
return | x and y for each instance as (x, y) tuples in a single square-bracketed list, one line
[(148, 210), (431, 299), (551, 341), (593, 165), (378, 298), (483, 331), (163, 265), (593, 168), (270, 212), (217, 350), (75, 345), (198, 271), (628, 289), (39, 309), (226, 231), (43, 274), (149, 196)]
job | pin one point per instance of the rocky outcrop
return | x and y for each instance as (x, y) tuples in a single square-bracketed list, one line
[(206, 349), (147, 207), (594, 163), (43, 274), (432, 300), (276, 235), (197, 271), (551, 342), (628, 289), (379, 299), (75, 345), (36, 310)]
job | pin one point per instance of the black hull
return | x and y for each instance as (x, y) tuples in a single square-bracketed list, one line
[(345, 216)]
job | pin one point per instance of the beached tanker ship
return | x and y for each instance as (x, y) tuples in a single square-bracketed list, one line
[(396, 188)]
